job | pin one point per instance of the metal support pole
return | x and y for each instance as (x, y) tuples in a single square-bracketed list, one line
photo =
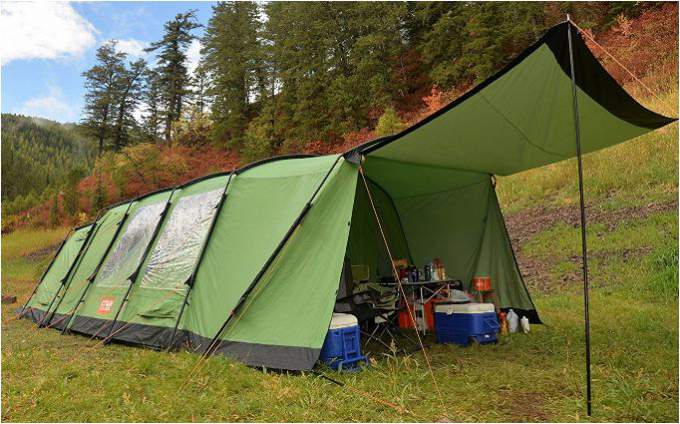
[(584, 246)]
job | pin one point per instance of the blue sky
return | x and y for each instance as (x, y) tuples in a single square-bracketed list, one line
[(45, 47)]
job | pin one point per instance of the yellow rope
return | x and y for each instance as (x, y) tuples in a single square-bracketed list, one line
[(622, 66), (401, 287)]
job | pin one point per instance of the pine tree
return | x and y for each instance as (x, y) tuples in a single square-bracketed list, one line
[(172, 65), (101, 85), (200, 88), (231, 52), (153, 104), (54, 210), (70, 191), (127, 97)]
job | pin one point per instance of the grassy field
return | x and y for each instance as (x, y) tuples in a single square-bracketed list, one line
[(632, 190)]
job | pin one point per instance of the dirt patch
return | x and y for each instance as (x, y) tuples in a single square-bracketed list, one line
[(524, 225), (40, 254), (524, 406)]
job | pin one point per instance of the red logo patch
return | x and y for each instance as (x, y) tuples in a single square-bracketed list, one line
[(106, 305)]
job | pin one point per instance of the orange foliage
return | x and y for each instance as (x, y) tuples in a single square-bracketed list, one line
[(647, 45)]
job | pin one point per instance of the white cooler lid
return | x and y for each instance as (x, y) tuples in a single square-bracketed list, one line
[(464, 308), (343, 321)]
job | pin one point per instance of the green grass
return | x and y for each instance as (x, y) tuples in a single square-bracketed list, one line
[(535, 377), (22, 242)]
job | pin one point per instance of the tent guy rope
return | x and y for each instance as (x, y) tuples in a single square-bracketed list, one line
[(401, 288), (618, 62)]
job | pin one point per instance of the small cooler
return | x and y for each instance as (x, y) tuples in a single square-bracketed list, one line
[(342, 347), (463, 323)]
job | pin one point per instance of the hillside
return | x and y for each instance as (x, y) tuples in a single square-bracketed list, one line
[(642, 37), (37, 154)]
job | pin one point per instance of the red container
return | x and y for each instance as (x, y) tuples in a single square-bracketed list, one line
[(481, 284), (405, 321), (429, 311)]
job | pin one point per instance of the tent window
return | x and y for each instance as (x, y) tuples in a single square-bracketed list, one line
[(129, 250), (173, 259)]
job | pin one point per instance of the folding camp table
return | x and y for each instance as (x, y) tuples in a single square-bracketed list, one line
[(427, 290)]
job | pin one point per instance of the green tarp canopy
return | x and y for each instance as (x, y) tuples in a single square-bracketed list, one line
[(254, 258)]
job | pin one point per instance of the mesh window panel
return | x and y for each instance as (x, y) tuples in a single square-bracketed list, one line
[(129, 250), (174, 256)]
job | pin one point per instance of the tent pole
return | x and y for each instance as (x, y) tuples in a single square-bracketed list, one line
[(213, 343), (35, 289), (134, 275), (66, 281), (584, 246), (190, 281), (99, 266)]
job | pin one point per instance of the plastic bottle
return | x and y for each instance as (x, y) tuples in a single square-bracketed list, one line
[(504, 324), (525, 324), (513, 321)]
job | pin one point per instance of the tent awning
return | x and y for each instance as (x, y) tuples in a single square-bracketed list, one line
[(522, 118)]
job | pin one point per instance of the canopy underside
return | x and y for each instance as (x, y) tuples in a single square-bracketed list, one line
[(522, 118)]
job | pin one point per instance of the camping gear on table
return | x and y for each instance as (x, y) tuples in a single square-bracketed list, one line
[(481, 284), (341, 349), (463, 323), (458, 296), (513, 321)]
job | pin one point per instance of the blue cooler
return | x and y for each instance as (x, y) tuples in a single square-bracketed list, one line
[(342, 347), (466, 322)]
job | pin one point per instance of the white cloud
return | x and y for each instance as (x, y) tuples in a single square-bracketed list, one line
[(42, 31), (134, 48), (193, 55), (51, 106)]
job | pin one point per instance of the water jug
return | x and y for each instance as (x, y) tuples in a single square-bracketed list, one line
[(513, 321)]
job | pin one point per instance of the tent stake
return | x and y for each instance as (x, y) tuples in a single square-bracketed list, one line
[(133, 277), (66, 281), (99, 266), (190, 281), (584, 246), (35, 289)]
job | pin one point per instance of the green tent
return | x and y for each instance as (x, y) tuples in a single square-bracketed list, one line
[(253, 258)]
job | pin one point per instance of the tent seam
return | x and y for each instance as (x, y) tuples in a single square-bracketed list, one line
[(516, 128)]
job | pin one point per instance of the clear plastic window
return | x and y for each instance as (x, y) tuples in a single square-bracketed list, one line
[(124, 259), (174, 256)]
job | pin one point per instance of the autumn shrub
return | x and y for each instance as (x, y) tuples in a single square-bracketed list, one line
[(389, 123), (258, 139), (194, 130)]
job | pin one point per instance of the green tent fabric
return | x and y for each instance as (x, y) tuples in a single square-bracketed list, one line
[(522, 118), (90, 257), (253, 258), (107, 292), (54, 281)]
